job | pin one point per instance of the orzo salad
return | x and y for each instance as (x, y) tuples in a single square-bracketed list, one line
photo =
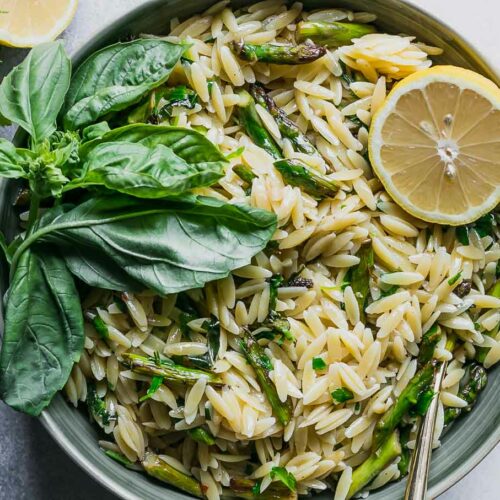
[(243, 249)]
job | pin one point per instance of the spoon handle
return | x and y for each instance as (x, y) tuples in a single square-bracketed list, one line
[(416, 485)]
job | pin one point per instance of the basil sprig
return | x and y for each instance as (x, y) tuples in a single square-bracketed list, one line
[(137, 227)]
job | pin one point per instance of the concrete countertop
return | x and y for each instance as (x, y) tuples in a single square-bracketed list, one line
[(32, 466)]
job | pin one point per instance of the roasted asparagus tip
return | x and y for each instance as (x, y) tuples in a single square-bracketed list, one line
[(159, 469), (287, 127), (260, 362), (477, 381), (168, 370), (374, 464), (429, 341), (297, 174), (254, 127), (332, 34), (278, 54)]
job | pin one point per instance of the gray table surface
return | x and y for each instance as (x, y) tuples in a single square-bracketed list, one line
[(32, 466)]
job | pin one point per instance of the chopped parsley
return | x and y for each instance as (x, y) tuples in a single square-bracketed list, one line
[(287, 478), (235, 154), (342, 395), (454, 279), (97, 406), (256, 489), (101, 328), (318, 364), (153, 387)]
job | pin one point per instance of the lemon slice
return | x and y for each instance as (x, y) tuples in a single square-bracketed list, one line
[(435, 145), (26, 23)]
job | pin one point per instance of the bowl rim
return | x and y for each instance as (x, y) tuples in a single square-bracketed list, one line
[(472, 459)]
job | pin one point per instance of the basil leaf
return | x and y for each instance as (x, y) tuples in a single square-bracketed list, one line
[(10, 161), (43, 332), (32, 94), (95, 131), (149, 172), (116, 77), (189, 145), (164, 245)]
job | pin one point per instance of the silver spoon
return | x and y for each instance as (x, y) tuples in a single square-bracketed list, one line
[(416, 485)]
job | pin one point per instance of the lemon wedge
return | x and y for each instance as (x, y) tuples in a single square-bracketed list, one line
[(435, 145), (26, 23)]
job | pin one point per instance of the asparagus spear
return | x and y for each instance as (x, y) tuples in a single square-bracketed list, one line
[(262, 365), (476, 382), (296, 173), (278, 54), (374, 464), (429, 340), (404, 463), (119, 457), (201, 435), (247, 488), (481, 352), (254, 127), (287, 128), (207, 360), (244, 173), (332, 34), (168, 370), (360, 277), (276, 321), (159, 469), (420, 382)]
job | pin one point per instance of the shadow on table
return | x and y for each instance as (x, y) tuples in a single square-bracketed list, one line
[(34, 467)]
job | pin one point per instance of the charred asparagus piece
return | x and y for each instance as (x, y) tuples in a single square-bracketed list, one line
[(404, 437), (168, 370), (244, 173), (201, 436), (360, 277), (247, 488), (254, 127), (262, 365), (477, 379), (429, 341), (159, 469), (375, 463), (295, 173), (332, 34), (287, 128), (420, 382), (278, 54), (276, 321)]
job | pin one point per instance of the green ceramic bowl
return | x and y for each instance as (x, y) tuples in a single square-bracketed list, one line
[(469, 440)]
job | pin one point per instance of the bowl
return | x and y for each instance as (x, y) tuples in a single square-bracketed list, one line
[(467, 442)]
